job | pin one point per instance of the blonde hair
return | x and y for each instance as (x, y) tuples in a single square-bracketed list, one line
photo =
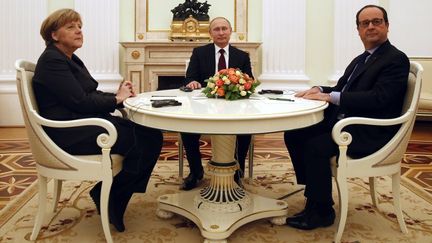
[(55, 21)]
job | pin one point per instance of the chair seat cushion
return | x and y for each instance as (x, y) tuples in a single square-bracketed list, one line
[(425, 102), (117, 161)]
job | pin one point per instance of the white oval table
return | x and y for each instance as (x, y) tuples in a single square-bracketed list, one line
[(221, 207)]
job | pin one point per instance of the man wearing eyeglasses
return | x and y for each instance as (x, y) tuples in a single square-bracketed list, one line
[(373, 85)]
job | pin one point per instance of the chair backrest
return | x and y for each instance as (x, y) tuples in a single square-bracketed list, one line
[(413, 87), (40, 143), (399, 143)]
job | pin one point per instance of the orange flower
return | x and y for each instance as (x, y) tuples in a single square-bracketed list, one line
[(221, 92), (234, 78), (231, 71), (223, 71), (247, 85)]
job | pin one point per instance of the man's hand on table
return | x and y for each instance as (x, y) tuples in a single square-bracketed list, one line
[(194, 85)]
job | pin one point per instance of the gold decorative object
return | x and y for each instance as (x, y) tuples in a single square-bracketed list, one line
[(190, 22), (140, 36), (135, 54), (190, 30)]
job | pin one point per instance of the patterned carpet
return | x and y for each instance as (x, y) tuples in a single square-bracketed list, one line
[(273, 177)]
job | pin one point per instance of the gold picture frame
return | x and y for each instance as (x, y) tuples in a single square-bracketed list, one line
[(143, 33)]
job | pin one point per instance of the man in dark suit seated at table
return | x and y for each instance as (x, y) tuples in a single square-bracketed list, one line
[(374, 86), (204, 63)]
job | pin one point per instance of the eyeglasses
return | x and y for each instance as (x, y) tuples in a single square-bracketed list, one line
[(375, 22)]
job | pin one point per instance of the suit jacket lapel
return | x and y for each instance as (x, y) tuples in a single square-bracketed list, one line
[(369, 62), (212, 58), (79, 65), (363, 68), (232, 61)]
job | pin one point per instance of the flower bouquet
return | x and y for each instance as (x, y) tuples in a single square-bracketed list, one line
[(230, 83)]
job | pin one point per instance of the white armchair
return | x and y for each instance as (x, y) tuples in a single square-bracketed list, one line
[(53, 162), (386, 161), (424, 112)]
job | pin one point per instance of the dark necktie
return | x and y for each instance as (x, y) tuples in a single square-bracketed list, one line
[(360, 63), (221, 62)]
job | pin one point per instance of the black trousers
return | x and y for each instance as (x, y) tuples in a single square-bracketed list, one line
[(311, 148), (193, 154), (140, 146)]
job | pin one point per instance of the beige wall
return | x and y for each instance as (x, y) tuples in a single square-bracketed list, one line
[(55, 4), (127, 20), (319, 38)]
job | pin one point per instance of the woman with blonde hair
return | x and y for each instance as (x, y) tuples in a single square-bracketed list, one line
[(65, 90)]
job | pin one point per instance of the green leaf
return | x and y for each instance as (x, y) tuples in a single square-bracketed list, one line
[(228, 95)]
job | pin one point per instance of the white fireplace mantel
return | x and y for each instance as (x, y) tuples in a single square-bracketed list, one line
[(145, 61)]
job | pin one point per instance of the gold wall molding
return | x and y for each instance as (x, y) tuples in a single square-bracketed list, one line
[(135, 54), (143, 33)]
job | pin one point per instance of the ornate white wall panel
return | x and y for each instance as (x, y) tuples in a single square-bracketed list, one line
[(347, 43), (411, 34), (100, 51), (20, 38), (284, 40)]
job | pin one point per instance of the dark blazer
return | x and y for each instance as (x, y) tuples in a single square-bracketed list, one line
[(202, 63), (375, 93), (65, 90)]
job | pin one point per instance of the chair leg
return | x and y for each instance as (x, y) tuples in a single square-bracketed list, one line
[(56, 194), (42, 181), (343, 207), (180, 157), (397, 204), (250, 157), (372, 189), (105, 191)]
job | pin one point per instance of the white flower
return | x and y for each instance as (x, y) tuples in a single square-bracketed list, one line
[(224, 78), (242, 81), (238, 73), (243, 93), (241, 88), (214, 91), (227, 81), (210, 85)]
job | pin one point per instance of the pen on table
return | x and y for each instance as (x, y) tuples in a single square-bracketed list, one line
[(163, 96), (283, 99)]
